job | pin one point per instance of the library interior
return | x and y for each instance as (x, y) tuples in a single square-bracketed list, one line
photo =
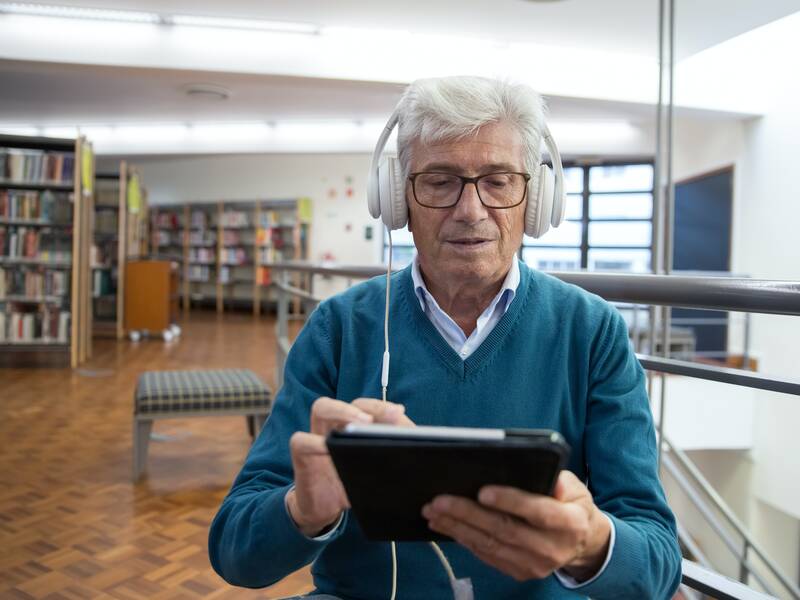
[(199, 228)]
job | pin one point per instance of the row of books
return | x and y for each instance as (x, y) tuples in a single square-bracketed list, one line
[(233, 256), (106, 222), (102, 283), (202, 255), (167, 220), (36, 166), (33, 283), (34, 243), (199, 273), (54, 207), (202, 238), (47, 324), (167, 238), (272, 254), (199, 219), (263, 276), (235, 218), (231, 237), (275, 237), (272, 218)]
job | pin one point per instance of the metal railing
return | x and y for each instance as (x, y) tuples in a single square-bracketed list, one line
[(716, 293)]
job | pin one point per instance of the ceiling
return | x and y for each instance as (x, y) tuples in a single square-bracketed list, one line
[(43, 91), (627, 26)]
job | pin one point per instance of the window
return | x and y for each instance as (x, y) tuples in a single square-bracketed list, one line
[(608, 223)]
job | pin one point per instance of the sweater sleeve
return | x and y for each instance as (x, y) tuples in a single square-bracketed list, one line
[(252, 540), (621, 459)]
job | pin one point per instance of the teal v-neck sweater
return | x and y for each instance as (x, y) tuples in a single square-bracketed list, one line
[(559, 358)]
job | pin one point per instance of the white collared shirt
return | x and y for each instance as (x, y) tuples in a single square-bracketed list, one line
[(448, 329)]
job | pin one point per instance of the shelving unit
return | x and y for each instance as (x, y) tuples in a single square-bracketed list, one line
[(237, 249), (202, 241), (168, 236), (46, 188), (226, 245)]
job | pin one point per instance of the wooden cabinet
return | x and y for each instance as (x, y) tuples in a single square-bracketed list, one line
[(151, 295)]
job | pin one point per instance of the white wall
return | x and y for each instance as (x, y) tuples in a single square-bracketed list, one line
[(766, 221)]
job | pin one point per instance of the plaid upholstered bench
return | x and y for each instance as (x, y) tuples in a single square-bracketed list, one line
[(180, 394)]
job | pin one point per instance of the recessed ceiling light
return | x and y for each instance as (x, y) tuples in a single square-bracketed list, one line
[(206, 91)]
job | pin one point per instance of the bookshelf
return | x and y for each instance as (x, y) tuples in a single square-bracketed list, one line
[(227, 244), (46, 188), (119, 210), (168, 236), (202, 256), (237, 249)]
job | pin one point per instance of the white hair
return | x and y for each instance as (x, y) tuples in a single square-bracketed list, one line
[(452, 108)]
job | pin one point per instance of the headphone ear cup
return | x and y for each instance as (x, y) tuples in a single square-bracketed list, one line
[(391, 192), (540, 203)]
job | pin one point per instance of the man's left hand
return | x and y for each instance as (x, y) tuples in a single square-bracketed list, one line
[(528, 536)]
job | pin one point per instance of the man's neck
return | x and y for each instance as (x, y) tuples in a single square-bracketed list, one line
[(464, 300)]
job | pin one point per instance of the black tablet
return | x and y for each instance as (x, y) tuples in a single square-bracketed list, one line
[(390, 473)]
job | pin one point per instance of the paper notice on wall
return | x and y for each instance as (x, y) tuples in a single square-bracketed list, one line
[(134, 195), (304, 210)]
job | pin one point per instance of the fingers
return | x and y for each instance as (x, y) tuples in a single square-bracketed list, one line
[(384, 412), (539, 511), (328, 414), (520, 563), (307, 444)]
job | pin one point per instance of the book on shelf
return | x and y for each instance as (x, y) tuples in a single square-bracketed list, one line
[(36, 166), (45, 324), (264, 276), (231, 237), (45, 206), (33, 282), (202, 255), (199, 219), (199, 273), (235, 218), (168, 220), (102, 284), (106, 222), (202, 238), (233, 256), (33, 243)]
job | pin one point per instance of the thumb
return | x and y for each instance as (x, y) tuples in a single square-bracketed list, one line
[(568, 487)]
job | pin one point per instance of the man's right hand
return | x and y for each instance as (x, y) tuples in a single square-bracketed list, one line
[(318, 497)]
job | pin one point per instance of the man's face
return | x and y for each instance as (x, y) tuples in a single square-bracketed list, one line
[(467, 242)]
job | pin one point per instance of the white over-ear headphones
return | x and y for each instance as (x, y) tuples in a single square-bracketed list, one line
[(386, 195)]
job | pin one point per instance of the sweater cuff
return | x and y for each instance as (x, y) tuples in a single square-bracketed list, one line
[(332, 532), (569, 582), (624, 566)]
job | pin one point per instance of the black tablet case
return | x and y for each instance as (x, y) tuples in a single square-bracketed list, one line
[(389, 480)]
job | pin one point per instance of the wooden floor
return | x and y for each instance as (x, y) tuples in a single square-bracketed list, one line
[(71, 523)]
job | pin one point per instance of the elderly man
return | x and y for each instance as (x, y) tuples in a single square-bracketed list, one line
[(478, 339)]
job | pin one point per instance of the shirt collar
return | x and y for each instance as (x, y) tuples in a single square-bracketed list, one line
[(507, 290)]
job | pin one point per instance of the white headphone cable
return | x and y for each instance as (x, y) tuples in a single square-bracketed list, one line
[(385, 383)]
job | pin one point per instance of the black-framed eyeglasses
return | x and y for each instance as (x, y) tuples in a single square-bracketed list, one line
[(444, 190)]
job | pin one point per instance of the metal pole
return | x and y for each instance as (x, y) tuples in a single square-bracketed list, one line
[(744, 572), (746, 351)]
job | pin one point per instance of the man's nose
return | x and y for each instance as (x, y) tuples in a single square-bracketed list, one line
[(469, 207)]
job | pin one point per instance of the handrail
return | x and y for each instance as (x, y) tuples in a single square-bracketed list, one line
[(714, 293), (716, 585), (739, 377), (726, 511)]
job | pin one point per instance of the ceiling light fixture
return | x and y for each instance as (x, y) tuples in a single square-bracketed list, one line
[(235, 23), (76, 12)]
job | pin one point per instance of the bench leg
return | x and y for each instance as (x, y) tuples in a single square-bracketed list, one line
[(141, 439), (255, 423)]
